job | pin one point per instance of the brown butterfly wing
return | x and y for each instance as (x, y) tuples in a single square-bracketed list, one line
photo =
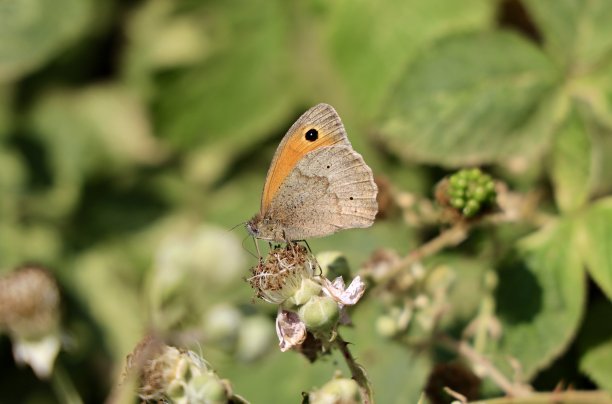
[(330, 189), (325, 120)]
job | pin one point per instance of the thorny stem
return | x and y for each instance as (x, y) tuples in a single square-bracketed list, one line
[(450, 237), (357, 371), (464, 349)]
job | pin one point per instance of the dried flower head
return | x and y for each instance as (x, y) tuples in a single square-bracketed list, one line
[(169, 374), (280, 275), (29, 302), (29, 313)]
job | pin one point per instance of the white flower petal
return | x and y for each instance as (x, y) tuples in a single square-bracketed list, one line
[(348, 296), (291, 331), (355, 290), (39, 354), (338, 283)]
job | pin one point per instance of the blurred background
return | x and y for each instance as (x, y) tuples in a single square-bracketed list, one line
[(135, 137)]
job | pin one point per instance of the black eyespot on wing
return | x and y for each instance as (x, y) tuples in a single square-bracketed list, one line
[(328, 166), (311, 135), (351, 198)]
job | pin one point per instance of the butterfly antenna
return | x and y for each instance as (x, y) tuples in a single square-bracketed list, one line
[(239, 224)]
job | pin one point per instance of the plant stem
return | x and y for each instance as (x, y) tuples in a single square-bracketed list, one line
[(63, 386), (464, 349), (560, 397), (357, 372), (449, 237)]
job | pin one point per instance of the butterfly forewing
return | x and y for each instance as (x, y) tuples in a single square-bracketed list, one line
[(299, 141)]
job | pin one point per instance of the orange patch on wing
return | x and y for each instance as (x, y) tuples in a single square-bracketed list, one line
[(293, 151)]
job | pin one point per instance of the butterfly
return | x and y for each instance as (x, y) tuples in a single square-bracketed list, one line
[(316, 184)]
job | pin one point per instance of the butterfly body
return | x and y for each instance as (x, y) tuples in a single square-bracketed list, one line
[(317, 184)]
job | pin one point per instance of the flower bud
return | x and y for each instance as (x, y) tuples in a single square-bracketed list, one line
[(222, 323), (319, 313), (387, 326), (255, 338), (338, 391), (206, 388), (307, 290), (167, 373)]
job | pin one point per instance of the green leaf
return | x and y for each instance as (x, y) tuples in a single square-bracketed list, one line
[(595, 108), (540, 300), (241, 92), (7, 94), (33, 31), (595, 343), (359, 244), (571, 168), (285, 373), (397, 374), (157, 37), (594, 92), (468, 289), (21, 243), (473, 99), (369, 43), (578, 33), (13, 180), (87, 129), (97, 279), (101, 128), (595, 236)]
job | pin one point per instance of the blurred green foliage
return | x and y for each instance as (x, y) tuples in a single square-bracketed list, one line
[(135, 134)]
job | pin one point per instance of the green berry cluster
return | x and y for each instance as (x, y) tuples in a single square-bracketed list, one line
[(470, 190)]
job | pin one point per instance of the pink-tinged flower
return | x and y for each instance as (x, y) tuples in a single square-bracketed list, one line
[(344, 296), (290, 329)]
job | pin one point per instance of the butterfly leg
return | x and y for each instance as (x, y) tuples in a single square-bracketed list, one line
[(311, 253), (291, 245)]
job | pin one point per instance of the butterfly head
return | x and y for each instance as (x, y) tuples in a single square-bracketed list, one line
[(264, 228), (252, 225)]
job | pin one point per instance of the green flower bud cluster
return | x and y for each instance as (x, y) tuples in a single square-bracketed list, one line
[(415, 316), (317, 311), (169, 374), (471, 190)]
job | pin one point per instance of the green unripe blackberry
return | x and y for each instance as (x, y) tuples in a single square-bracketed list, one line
[(470, 191)]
